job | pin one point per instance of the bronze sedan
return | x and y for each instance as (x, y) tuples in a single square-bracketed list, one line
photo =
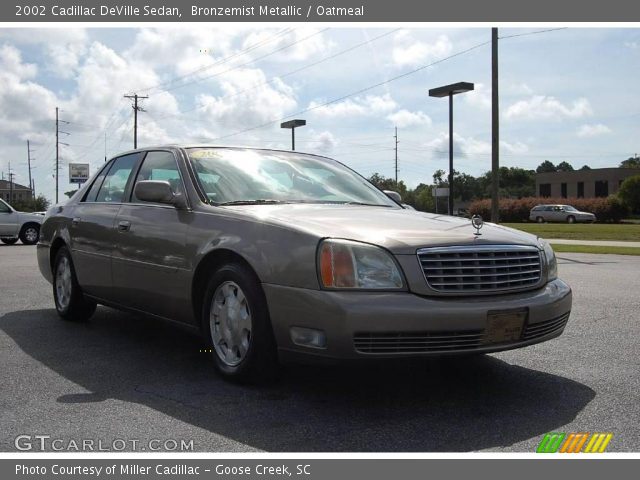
[(273, 254)]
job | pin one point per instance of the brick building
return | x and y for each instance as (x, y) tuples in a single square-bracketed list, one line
[(20, 192), (597, 182)]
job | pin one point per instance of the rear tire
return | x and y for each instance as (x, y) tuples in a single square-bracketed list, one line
[(236, 326), (71, 304), (9, 241), (539, 219), (30, 234), (571, 219)]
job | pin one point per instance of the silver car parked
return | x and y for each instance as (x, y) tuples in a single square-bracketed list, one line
[(559, 213), (16, 225), (272, 255)]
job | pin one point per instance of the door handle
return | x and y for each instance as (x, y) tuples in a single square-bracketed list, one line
[(75, 221), (124, 226)]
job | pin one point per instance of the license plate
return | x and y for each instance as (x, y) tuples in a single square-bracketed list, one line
[(504, 326)]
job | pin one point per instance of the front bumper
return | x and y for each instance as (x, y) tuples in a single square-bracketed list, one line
[(350, 318)]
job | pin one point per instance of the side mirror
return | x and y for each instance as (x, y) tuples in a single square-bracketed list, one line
[(395, 196), (158, 191)]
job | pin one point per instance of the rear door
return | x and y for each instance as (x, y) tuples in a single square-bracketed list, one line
[(8, 221), (92, 228), (151, 271)]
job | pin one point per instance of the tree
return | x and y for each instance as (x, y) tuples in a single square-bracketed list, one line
[(546, 167), (585, 167), (631, 162), (38, 204), (384, 183), (564, 167), (629, 193)]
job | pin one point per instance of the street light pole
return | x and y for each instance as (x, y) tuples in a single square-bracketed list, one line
[(450, 199), (450, 91), (293, 124)]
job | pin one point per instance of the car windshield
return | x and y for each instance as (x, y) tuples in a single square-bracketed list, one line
[(244, 176), (569, 208)]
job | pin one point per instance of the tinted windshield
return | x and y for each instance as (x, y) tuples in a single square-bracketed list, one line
[(569, 208), (256, 176)]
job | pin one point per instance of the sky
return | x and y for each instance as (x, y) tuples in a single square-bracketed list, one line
[(565, 95)]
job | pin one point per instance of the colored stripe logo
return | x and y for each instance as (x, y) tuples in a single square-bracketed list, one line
[(582, 442)]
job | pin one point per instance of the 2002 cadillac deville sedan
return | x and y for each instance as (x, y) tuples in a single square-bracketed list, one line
[(272, 253)]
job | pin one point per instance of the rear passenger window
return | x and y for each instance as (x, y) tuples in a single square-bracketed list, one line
[(115, 183), (159, 166)]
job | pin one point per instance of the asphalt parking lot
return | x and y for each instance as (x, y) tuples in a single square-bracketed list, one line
[(126, 377)]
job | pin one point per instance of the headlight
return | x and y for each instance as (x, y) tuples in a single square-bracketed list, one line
[(552, 263), (354, 265)]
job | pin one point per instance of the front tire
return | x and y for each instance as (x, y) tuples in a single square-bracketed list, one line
[(9, 241), (539, 219), (571, 219), (236, 326), (71, 304), (30, 234)]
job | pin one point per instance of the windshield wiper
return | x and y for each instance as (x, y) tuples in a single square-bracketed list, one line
[(366, 204), (259, 201)]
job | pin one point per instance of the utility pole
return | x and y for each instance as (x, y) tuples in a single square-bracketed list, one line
[(58, 142), (495, 129), (136, 109), (29, 167), (396, 147), (57, 153), (10, 184)]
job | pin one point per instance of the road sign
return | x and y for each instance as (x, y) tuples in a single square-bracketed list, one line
[(78, 172)]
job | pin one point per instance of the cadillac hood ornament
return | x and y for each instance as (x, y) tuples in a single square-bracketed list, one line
[(477, 223)]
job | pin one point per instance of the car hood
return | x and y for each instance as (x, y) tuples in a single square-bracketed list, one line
[(31, 217), (402, 231)]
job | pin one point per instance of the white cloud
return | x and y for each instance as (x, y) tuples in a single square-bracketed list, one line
[(63, 47), (592, 130), (405, 118), (324, 142), (410, 52), (544, 107), (632, 45), (369, 105), (479, 97), (25, 106), (469, 146), (242, 104)]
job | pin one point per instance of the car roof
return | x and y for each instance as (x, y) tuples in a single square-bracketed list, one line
[(182, 146)]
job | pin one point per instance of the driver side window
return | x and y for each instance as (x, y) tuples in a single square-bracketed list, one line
[(159, 166)]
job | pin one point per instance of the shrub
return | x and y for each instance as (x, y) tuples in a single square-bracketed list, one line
[(609, 209), (629, 193)]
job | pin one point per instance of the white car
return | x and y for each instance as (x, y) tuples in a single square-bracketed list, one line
[(16, 225)]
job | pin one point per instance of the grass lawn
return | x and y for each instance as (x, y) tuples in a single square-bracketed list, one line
[(582, 231), (559, 248)]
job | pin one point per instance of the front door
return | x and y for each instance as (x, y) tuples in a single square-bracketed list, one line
[(150, 267), (8, 221)]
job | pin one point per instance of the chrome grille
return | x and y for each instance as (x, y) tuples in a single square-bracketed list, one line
[(481, 269), (452, 341), (547, 327), (416, 342)]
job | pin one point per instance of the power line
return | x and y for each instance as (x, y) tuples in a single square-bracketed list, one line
[(287, 74), (244, 64), (532, 33), (358, 92), (221, 61)]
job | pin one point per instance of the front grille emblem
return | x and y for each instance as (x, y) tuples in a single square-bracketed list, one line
[(477, 223)]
